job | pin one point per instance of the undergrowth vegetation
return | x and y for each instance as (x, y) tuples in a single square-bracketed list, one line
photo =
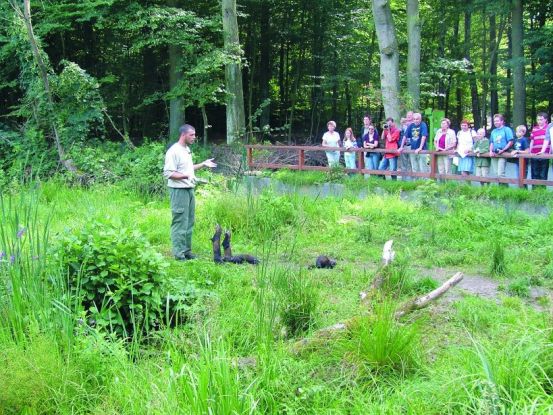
[(95, 316)]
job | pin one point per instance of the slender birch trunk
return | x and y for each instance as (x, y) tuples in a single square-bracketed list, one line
[(414, 52), (389, 57)]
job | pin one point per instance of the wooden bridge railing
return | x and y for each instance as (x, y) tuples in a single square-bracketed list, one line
[(521, 181)]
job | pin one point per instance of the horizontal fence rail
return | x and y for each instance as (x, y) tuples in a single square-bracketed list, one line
[(521, 181)]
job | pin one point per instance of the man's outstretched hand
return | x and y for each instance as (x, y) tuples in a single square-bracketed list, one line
[(209, 163)]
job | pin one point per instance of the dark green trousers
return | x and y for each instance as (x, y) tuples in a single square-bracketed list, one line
[(183, 205)]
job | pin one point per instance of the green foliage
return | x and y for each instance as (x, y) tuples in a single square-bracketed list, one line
[(211, 383), (502, 377), (298, 298), (498, 266), (261, 218), (372, 367), (79, 106), (380, 343), (335, 174), (142, 169), (29, 283), (519, 287), (117, 276)]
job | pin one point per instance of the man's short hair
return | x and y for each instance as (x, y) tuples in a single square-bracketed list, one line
[(500, 116), (186, 128), (390, 119), (543, 114)]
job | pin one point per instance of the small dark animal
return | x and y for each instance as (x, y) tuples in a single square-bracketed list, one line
[(235, 259), (323, 261)]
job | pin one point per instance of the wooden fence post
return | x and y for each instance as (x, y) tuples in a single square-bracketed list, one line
[(433, 165), (521, 171), (301, 159), (250, 157)]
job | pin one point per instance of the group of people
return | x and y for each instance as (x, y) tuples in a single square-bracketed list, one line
[(474, 152)]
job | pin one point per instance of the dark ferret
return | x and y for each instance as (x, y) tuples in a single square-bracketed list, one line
[(323, 261), (234, 259)]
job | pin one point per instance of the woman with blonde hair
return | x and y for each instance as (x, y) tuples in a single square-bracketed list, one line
[(332, 139), (349, 143)]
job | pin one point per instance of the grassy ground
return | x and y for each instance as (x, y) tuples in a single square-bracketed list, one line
[(235, 351)]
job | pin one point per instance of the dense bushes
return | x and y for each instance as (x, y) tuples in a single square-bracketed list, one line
[(117, 276)]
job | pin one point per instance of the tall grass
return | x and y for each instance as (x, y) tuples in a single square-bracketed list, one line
[(378, 342), (33, 290), (299, 299), (211, 383), (507, 376)]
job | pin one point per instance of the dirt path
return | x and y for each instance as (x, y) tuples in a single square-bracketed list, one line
[(485, 287)]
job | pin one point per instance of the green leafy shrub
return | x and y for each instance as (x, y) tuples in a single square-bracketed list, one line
[(96, 162), (78, 105), (116, 275), (143, 169)]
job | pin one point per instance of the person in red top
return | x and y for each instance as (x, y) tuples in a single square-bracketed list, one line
[(390, 135), (539, 168)]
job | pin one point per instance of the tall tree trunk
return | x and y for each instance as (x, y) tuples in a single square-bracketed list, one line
[(265, 61), (441, 54), (370, 56), (348, 103), (508, 97), (456, 47), (281, 78), (317, 66), (236, 122), (206, 124), (493, 67), (472, 75), (389, 57), (519, 84), (414, 52), (26, 15), (485, 79), (176, 106), (335, 87)]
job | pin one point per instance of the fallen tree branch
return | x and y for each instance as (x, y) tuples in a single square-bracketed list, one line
[(418, 303), (423, 301)]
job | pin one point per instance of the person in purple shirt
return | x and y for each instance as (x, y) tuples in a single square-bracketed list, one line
[(370, 141)]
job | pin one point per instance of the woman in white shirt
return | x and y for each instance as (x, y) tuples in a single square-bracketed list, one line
[(465, 145), (332, 139)]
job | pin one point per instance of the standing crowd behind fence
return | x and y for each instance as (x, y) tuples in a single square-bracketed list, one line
[(466, 152)]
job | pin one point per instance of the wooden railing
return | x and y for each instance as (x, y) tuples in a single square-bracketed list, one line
[(521, 181)]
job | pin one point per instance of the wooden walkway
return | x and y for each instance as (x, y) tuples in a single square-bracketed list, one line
[(254, 150)]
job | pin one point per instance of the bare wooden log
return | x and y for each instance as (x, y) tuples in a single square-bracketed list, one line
[(423, 301), (322, 335)]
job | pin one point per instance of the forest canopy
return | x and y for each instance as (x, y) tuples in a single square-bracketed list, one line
[(128, 69)]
